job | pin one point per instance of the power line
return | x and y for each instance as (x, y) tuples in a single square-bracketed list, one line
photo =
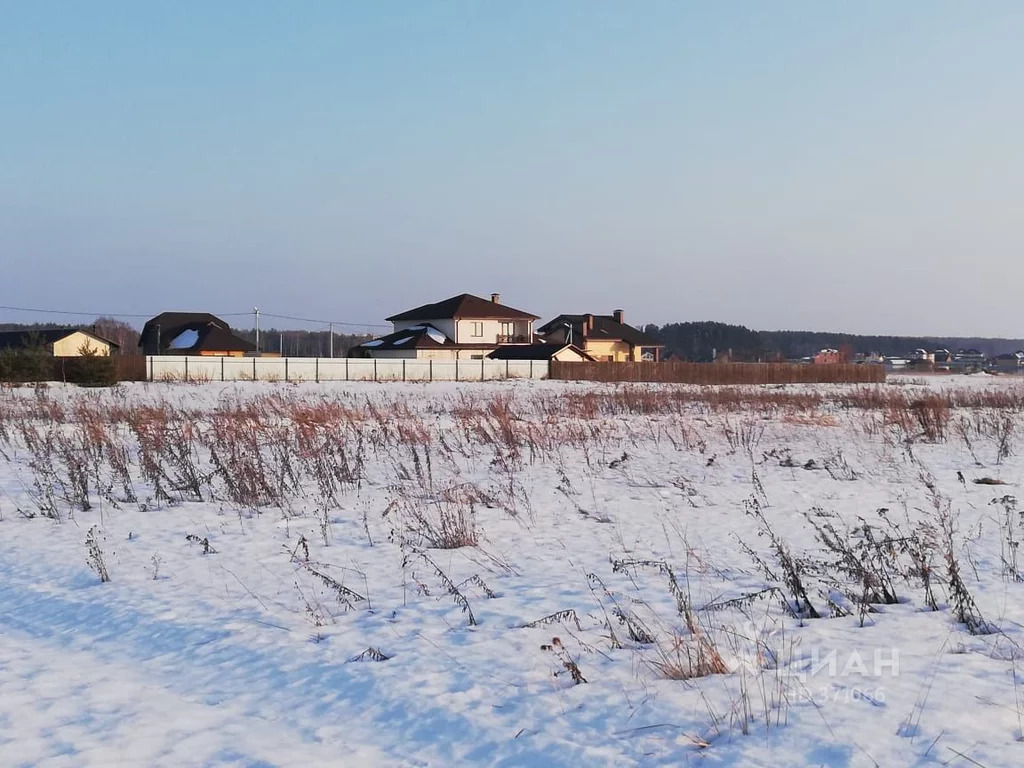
[(224, 314), (325, 322), (98, 314)]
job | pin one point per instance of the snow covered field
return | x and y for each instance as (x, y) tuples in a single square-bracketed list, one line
[(512, 573)]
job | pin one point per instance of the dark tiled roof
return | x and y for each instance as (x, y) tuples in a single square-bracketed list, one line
[(423, 336), (533, 351), (211, 338), (605, 329), (24, 339), (171, 324), (465, 305)]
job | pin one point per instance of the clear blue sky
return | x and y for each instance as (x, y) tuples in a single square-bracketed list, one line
[(830, 166)]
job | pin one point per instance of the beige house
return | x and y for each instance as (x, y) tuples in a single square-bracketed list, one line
[(464, 327), (60, 342), (606, 338)]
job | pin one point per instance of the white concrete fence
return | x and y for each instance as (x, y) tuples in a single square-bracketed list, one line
[(191, 368)]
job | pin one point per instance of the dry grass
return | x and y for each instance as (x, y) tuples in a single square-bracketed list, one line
[(296, 454)]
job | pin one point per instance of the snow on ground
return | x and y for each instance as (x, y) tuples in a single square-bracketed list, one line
[(618, 546)]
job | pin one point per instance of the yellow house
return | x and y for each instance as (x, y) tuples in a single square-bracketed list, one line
[(60, 342), (605, 338)]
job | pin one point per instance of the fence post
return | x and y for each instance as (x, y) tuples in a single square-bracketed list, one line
[(222, 367), (286, 370), (375, 369), (431, 367), (481, 369), (506, 369), (456, 367), (254, 369), (186, 368), (531, 370), (346, 369), (317, 369), (403, 369), (151, 368)]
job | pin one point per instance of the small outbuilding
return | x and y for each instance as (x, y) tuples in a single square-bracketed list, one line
[(60, 342), (563, 353)]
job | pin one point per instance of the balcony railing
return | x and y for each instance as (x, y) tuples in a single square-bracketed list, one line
[(513, 339)]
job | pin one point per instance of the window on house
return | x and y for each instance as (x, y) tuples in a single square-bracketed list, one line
[(508, 330), (478, 329)]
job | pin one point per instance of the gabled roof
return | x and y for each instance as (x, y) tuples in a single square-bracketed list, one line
[(533, 351), (423, 336), (465, 305), (27, 338), (605, 329)]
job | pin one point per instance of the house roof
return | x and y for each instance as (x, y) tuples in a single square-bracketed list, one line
[(533, 351), (23, 339), (605, 328), (423, 336), (170, 323), (465, 305), (200, 337), (186, 333)]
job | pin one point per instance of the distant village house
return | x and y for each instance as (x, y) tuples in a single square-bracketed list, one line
[(461, 327), (59, 342), (192, 333), (603, 337)]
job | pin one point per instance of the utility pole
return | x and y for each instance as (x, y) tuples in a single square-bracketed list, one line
[(256, 310), (331, 326)]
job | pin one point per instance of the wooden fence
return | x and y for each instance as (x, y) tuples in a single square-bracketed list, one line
[(720, 373), (130, 367)]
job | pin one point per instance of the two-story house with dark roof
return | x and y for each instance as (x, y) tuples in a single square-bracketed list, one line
[(461, 327), (602, 337)]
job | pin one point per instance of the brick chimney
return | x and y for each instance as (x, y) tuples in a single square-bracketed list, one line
[(588, 324), (619, 316), (496, 298)]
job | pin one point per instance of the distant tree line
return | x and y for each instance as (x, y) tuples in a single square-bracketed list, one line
[(298, 343), (696, 342), (704, 341), (804, 343)]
